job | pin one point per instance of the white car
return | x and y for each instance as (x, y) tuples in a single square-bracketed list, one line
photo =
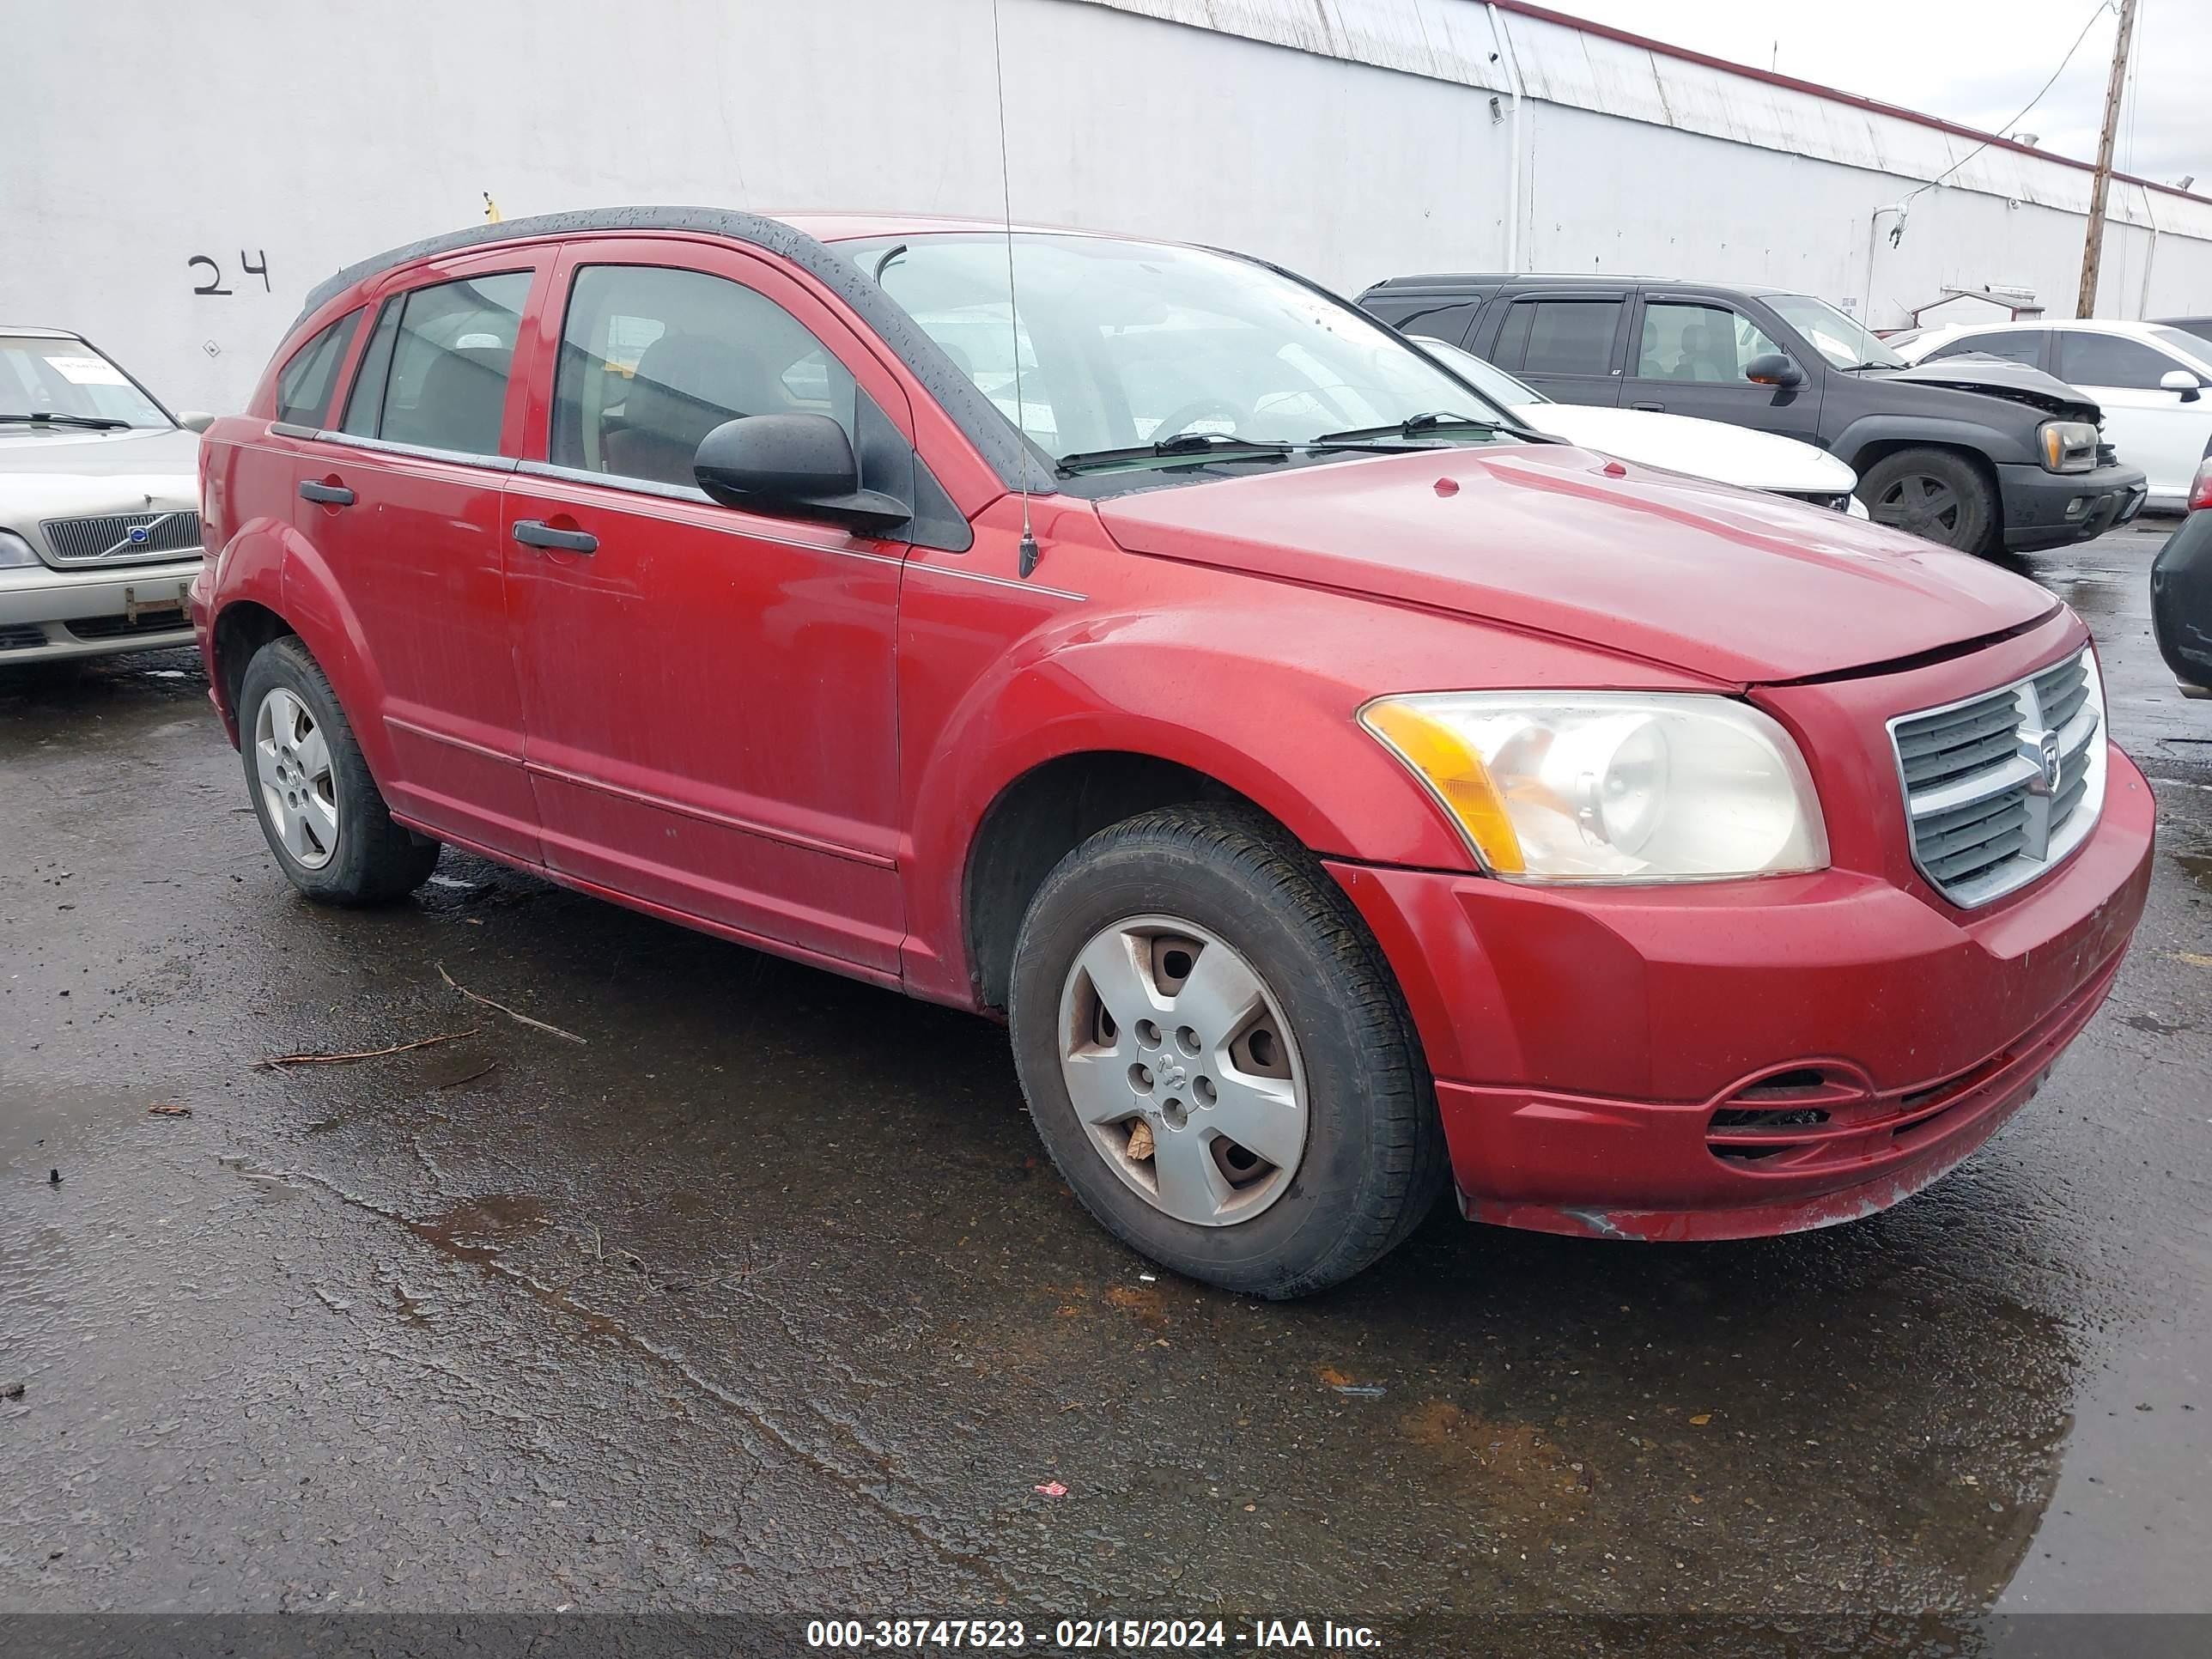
[(1681, 443), (100, 523), (2148, 378)]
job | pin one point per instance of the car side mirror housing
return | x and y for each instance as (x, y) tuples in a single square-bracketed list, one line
[(195, 420), (791, 466), (1773, 368), (2181, 381)]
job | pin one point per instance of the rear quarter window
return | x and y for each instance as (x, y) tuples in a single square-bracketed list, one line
[(306, 382)]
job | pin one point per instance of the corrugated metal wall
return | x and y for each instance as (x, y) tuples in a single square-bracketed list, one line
[(1350, 139)]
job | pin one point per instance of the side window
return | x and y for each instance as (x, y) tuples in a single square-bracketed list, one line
[(303, 388), (2086, 359), (1433, 319), (653, 358), (452, 348), (1710, 345), (2020, 345), (1559, 337)]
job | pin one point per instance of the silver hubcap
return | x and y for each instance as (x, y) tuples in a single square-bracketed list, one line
[(299, 791), (1183, 1070)]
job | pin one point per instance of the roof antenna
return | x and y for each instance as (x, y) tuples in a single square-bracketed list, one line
[(1029, 553)]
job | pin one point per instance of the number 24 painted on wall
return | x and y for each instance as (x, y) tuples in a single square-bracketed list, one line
[(213, 284)]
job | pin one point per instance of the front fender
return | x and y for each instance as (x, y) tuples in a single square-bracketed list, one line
[(1993, 444), (1256, 687)]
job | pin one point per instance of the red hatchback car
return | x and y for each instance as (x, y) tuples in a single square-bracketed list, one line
[(1332, 782)]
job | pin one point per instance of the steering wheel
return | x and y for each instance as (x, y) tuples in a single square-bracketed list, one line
[(1197, 409)]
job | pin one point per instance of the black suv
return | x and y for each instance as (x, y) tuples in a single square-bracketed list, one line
[(1975, 453)]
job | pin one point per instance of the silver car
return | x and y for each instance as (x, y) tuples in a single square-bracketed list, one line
[(100, 524)]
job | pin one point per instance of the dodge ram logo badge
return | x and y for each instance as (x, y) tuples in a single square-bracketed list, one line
[(2043, 747)]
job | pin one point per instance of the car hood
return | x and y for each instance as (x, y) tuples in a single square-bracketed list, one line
[(1994, 377), (1704, 449), (1728, 583), (57, 472)]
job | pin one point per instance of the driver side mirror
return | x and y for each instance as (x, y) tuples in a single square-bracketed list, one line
[(2181, 381), (1773, 368), (791, 466), (195, 420)]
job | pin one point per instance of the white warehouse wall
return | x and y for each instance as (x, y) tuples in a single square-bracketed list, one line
[(305, 136)]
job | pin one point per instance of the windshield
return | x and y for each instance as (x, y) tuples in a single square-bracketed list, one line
[(1843, 340), (2197, 350), (39, 375), (1127, 344), (1493, 382)]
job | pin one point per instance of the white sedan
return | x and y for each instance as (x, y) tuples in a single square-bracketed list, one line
[(2148, 378), (1681, 443)]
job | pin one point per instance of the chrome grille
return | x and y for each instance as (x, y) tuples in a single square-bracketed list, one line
[(2001, 786), (122, 537)]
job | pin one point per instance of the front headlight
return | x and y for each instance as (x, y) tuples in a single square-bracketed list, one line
[(14, 550), (2068, 445), (1610, 787)]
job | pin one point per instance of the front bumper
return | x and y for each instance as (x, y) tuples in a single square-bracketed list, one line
[(2050, 509), (1583, 1042), (46, 614), (2181, 602)]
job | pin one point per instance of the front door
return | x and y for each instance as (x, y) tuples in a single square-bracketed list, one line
[(708, 693), (1689, 358), (401, 505)]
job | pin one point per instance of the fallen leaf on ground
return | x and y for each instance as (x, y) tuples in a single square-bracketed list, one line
[(1051, 1489), (169, 1111), (1701, 1420)]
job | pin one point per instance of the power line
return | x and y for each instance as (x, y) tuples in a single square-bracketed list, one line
[(2103, 6)]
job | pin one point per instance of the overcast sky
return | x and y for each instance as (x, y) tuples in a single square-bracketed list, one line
[(1971, 61)]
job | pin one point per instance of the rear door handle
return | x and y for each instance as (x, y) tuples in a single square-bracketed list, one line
[(1649, 409), (536, 532), (328, 495)]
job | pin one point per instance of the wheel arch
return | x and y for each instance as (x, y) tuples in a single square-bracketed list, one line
[(1045, 813)]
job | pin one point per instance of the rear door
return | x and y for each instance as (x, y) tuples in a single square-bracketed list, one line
[(1690, 353), (400, 506), (708, 692), (2150, 427), (1567, 343)]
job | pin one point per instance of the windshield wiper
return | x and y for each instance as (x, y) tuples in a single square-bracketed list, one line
[(1419, 426), (44, 417), (1206, 444)]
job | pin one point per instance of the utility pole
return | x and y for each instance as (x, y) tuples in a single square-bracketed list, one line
[(2093, 251)]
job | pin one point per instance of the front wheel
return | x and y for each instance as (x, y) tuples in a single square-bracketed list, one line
[(1217, 1058), (1935, 493), (319, 810)]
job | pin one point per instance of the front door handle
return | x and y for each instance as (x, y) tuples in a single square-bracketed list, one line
[(1649, 409), (536, 532), (328, 495)]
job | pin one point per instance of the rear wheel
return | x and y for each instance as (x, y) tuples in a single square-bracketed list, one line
[(1217, 1058), (1934, 494), (319, 810)]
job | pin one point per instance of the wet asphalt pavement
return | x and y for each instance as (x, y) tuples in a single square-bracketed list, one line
[(760, 1295)]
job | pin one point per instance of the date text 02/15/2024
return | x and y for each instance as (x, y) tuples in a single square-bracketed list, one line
[(1086, 1635)]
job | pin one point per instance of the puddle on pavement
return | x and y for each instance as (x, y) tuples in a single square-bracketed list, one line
[(481, 1226)]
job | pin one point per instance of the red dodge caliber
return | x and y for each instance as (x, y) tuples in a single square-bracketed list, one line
[(1336, 785)]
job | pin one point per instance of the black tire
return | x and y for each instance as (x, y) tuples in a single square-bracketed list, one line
[(1374, 1161), (374, 861), (1938, 495)]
